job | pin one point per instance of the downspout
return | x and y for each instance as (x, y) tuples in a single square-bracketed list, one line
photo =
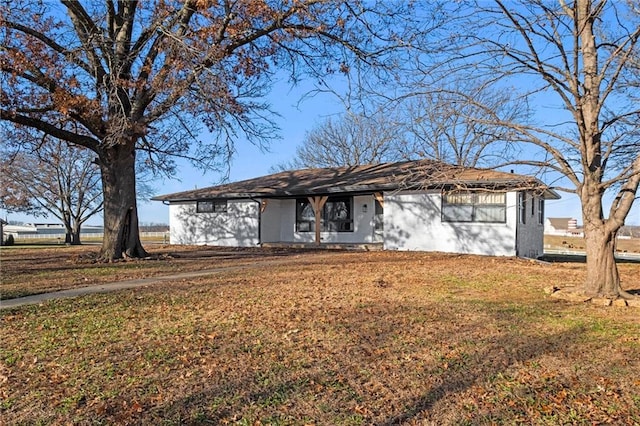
[(164, 239), (517, 222)]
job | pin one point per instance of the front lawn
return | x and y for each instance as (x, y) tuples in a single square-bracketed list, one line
[(340, 338)]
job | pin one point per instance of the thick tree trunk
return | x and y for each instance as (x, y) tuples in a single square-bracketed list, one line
[(72, 235), (602, 272), (121, 233), (600, 234), (75, 237), (602, 278)]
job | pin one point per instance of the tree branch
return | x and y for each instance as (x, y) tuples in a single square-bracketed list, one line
[(50, 129)]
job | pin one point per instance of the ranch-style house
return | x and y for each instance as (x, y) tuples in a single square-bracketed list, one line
[(412, 205)]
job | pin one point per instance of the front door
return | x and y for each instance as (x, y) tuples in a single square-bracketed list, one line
[(378, 222)]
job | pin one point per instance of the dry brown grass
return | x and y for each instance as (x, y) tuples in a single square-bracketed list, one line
[(50, 268), (340, 338), (577, 243)]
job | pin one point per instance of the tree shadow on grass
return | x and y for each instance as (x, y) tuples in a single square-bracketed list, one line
[(240, 253), (577, 258), (370, 339), (493, 359), (568, 258)]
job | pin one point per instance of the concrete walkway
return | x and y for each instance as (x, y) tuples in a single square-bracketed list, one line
[(133, 283)]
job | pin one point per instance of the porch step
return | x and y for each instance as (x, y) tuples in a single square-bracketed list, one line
[(327, 246)]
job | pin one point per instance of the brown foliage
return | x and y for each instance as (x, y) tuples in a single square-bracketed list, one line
[(122, 77)]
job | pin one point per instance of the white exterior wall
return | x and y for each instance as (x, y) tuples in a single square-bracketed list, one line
[(279, 221), (238, 227), (271, 225), (412, 221), (530, 235)]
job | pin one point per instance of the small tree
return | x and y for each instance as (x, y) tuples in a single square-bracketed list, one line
[(9, 241), (58, 179)]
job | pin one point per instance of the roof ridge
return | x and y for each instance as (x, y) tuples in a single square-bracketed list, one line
[(376, 177)]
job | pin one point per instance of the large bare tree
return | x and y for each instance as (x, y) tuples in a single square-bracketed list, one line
[(125, 78), (448, 123), (443, 121), (579, 61), (58, 179), (349, 139), (13, 196)]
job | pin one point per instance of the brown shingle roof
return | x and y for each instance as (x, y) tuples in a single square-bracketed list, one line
[(406, 175)]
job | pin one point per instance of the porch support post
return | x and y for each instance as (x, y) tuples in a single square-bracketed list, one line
[(378, 196), (318, 203)]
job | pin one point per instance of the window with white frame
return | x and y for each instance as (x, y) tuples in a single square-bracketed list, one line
[(211, 206), (465, 206)]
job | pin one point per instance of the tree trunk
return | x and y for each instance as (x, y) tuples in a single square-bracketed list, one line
[(68, 234), (75, 239), (602, 278), (75, 236), (72, 233), (602, 272), (121, 233)]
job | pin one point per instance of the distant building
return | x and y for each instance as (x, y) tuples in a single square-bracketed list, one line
[(19, 230), (53, 230), (564, 226), (34, 231), (629, 232)]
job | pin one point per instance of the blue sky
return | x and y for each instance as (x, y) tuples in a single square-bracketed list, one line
[(296, 118)]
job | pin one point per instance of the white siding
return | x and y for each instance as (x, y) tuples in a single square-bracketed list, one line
[(271, 226), (282, 213), (287, 221), (412, 221), (238, 227)]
